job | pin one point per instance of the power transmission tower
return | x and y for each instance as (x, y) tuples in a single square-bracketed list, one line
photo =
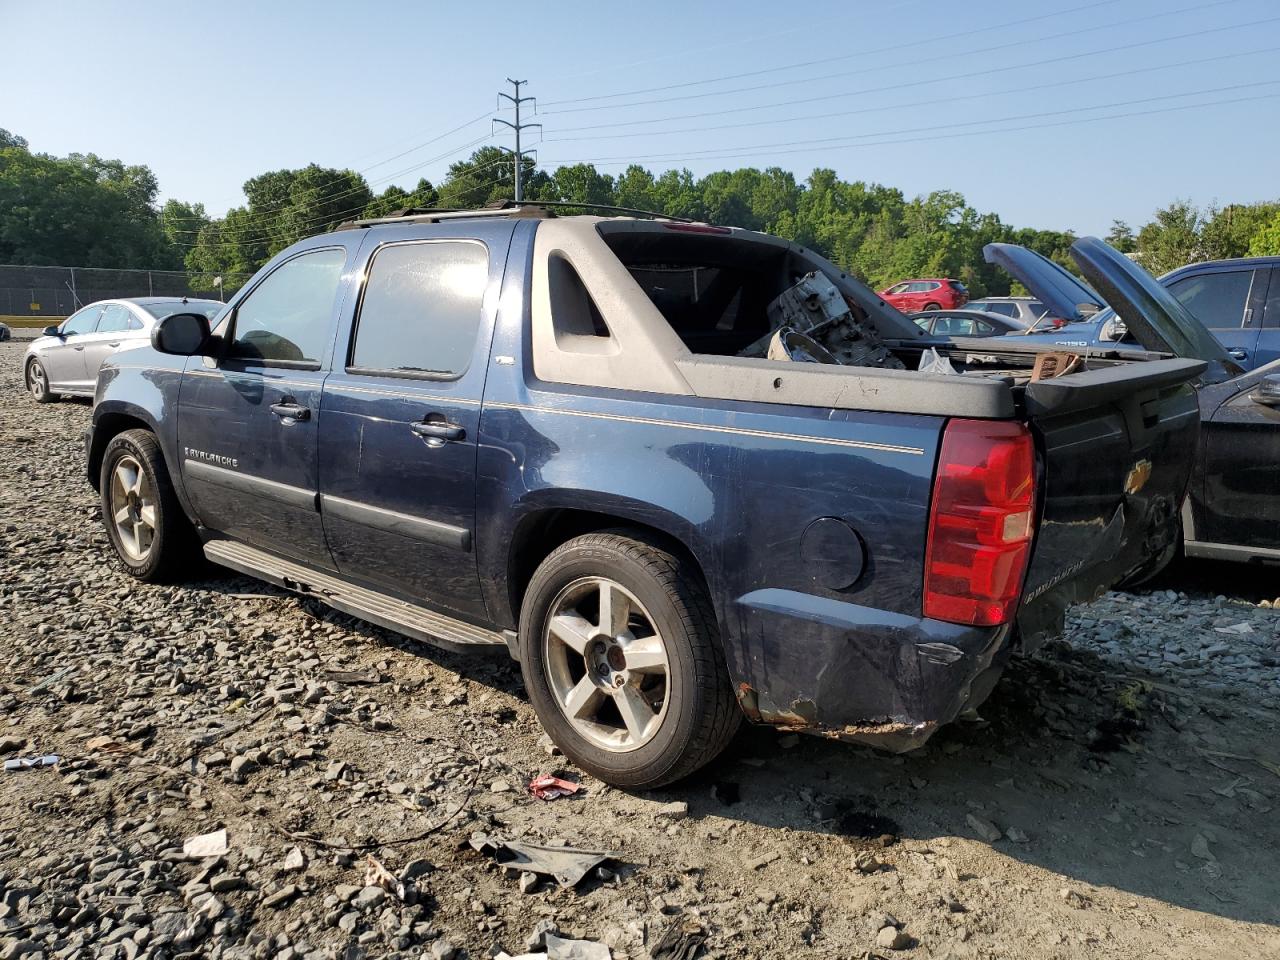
[(517, 153)]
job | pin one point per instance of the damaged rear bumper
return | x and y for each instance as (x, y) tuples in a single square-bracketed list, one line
[(848, 672)]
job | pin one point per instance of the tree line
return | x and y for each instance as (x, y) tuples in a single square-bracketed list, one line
[(83, 210)]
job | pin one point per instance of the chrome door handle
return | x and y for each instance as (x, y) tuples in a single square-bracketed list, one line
[(437, 430), (1237, 354), (288, 410)]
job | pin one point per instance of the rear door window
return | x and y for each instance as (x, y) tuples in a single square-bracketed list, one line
[(114, 319), (421, 308), (288, 317), (1216, 299)]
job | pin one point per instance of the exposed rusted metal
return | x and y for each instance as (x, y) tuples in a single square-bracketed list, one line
[(801, 717)]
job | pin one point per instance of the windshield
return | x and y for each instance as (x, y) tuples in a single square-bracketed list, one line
[(166, 307)]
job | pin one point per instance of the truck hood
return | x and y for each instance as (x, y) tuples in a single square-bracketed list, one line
[(1154, 316)]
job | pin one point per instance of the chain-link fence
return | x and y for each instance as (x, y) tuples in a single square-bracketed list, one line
[(60, 291)]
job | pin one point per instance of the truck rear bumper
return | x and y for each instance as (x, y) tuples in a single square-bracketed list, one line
[(820, 665)]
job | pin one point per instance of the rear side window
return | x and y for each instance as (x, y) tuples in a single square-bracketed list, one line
[(1004, 309), (288, 317), (114, 318), (420, 313), (1216, 299)]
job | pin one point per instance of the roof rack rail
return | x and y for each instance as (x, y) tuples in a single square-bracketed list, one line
[(502, 208)]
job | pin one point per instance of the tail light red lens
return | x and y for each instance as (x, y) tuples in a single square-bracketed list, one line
[(980, 526)]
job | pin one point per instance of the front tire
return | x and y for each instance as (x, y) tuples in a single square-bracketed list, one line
[(152, 537), (38, 382), (621, 656)]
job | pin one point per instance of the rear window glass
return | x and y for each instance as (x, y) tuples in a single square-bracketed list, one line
[(421, 308), (168, 307)]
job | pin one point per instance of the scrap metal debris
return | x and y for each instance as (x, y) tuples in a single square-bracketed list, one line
[(567, 865), (548, 787), (681, 940), (30, 763), (815, 309)]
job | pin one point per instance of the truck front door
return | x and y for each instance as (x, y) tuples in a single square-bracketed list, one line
[(247, 418), (401, 412), (1230, 304)]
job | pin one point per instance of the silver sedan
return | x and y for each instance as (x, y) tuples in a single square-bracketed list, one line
[(66, 359)]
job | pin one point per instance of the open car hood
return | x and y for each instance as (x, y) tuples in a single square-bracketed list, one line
[(1154, 317), (1063, 294)]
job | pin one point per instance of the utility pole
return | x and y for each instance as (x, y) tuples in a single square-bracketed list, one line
[(517, 154)]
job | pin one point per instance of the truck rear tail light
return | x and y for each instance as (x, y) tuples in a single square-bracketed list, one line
[(980, 525)]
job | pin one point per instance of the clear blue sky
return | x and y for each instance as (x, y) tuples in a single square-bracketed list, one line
[(209, 95)]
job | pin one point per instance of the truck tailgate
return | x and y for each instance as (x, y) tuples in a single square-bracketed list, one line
[(1116, 448)]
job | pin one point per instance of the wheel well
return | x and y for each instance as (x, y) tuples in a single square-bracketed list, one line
[(108, 427), (540, 534)]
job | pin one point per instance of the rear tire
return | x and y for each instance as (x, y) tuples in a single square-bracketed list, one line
[(38, 382), (933, 306), (151, 535), (639, 696)]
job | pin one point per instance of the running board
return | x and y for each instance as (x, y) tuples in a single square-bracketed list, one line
[(407, 618)]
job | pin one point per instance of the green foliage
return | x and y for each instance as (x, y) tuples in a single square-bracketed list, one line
[(81, 210), (85, 210), (1266, 242), (1182, 233), (1121, 237)]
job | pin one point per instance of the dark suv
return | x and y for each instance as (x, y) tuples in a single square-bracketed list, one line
[(598, 443)]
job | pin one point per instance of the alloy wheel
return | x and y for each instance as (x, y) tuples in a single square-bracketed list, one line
[(133, 508), (36, 381), (606, 664)]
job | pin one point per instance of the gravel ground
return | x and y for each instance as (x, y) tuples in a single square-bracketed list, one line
[(1117, 798)]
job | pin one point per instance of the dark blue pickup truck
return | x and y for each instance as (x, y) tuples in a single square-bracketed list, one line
[(595, 442)]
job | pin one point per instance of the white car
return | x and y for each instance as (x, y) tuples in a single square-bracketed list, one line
[(66, 359)]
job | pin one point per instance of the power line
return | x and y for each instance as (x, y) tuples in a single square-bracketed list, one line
[(850, 56), (1036, 64), (612, 161), (1070, 81), (970, 123)]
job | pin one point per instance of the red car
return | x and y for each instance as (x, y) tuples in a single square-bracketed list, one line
[(912, 296)]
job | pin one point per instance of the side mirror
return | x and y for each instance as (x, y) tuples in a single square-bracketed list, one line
[(1267, 392), (51, 331), (1113, 331), (181, 334)]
